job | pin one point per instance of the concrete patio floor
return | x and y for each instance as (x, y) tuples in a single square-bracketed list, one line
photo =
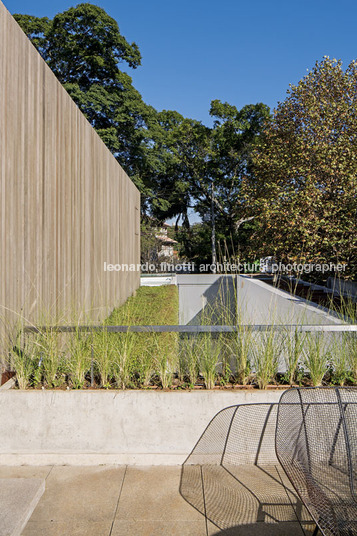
[(122, 500)]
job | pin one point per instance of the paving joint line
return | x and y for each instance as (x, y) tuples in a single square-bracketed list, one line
[(49, 472), (117, 506)]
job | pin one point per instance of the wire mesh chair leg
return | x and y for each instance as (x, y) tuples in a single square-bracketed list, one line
[(316, 531)]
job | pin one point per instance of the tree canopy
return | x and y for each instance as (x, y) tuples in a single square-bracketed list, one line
[(285, 184), (198, 158), (304, 190)]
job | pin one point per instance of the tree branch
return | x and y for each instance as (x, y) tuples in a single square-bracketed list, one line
[(240, 222)]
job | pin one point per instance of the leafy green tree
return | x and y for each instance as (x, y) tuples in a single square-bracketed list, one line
[(183, 148), (197, 157), (234, 135), (173, 160), (203, 161), (195, 243), (304, 191), (81, 45)]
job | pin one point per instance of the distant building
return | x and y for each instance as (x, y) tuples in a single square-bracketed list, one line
[(166, 245)]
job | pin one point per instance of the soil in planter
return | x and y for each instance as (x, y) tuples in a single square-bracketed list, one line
[(6, 376)]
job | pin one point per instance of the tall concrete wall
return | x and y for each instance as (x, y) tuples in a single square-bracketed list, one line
[(66, 206)]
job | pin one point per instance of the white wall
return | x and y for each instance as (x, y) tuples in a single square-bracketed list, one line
[(257, 302)]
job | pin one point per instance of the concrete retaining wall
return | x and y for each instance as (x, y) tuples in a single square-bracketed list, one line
[(346, 288), (249, 299), (260, 303), (114, 427)]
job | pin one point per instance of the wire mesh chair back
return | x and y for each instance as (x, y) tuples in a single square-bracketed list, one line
[(238, 435), (316, 445), (349, 409)]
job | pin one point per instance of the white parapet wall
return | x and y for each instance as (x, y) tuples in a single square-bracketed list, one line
[(254, 301), (110, 427), (157, 280), (260, 303), (241, 299)]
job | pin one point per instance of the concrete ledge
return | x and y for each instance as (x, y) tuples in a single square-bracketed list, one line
[(90, 459), (10, 384), (110, 427), (18, 499)]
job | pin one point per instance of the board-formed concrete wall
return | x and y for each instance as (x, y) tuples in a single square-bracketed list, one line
[(66, 205)]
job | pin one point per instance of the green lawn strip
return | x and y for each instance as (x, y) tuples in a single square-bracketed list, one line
[(150, 306)]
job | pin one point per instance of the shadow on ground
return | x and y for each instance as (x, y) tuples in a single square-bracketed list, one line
[(284, 529), (233, 478)]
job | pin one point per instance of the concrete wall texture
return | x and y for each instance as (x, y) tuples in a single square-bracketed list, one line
[(254, 302), (113, 427), (66, 205), (250, 301)]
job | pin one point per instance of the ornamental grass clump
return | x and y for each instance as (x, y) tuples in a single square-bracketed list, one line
[(122, 364), (239, 347), (267, 349), (293, 353), (144, 361), (164, 370), (347, 311), (103, 344), (79, 358), (165, 358), (188, 360), (24, 367), (351, 346), (209, 350), (340, 355), (316, 357), (25, 360), (51, 358)]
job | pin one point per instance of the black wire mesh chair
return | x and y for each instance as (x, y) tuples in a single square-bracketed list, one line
[(233, 477), (316, 444)]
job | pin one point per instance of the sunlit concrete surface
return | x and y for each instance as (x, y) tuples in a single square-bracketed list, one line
[(126, 500)]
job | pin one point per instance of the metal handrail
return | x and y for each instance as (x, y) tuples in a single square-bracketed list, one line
[(336, 328)]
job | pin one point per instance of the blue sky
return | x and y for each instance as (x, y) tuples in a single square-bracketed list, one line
[(240, 52)]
